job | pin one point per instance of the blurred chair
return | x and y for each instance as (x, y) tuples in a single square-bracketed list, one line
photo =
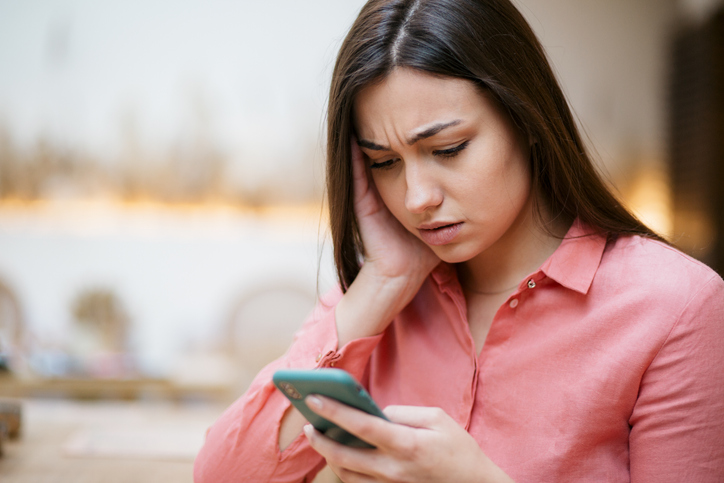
[(99, 343), (12, 347), (12, 358), (263, 321)]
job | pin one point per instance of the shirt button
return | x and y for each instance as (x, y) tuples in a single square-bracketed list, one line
[(531, 283), (513, 303), (319, 357)]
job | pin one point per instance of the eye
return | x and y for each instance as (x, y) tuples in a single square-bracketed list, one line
[(384, 164), (451, 152)]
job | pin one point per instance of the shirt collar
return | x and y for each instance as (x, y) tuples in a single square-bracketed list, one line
[(573, 264), (576, 260)]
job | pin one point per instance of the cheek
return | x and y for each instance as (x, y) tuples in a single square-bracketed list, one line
[(500, 186), (516, 176), (520, 177)]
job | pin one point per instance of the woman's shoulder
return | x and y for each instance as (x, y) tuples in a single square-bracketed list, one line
[(653, 287), (656, 268), (654, 255)]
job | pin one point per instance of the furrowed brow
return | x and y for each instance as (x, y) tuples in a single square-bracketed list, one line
[(428, 132), (432, 130), (363, 143)]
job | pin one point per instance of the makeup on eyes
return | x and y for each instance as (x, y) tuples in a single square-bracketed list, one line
[(443, 153), (383, 164), (451, 152)]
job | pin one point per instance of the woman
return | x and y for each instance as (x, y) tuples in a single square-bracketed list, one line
[(517, 323)]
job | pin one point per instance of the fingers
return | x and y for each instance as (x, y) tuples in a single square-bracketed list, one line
[(419, 443), (359, 171), (372, 429), (365, 196)]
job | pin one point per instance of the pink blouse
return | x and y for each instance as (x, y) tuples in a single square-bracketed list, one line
[(606, 364)]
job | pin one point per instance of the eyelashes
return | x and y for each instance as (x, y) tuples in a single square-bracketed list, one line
[(383, 164), (442, 153), (451, 152)]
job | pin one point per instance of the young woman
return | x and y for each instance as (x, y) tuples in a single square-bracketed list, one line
[(517, 323)]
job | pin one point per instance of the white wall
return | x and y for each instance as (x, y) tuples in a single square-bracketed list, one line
[(611, 58)]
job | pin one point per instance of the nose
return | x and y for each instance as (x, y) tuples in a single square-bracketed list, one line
[(423, 190)]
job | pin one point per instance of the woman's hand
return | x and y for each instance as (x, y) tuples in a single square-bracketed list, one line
[(418, 444), (390, 249), (395, 266)]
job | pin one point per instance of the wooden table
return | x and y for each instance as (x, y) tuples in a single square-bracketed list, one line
[(84, 442), (128, 389), (102, 441)]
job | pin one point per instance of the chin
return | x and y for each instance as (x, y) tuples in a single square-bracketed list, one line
[(454, 253)]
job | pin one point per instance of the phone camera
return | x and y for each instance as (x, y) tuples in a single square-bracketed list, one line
[(290, 390)]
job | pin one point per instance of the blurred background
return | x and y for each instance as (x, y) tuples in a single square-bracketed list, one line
[(162, 231)]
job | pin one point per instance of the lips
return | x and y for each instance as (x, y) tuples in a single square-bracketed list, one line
[(439, 234)]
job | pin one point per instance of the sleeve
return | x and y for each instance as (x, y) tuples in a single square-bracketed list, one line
[(242, 445), (677, 425)]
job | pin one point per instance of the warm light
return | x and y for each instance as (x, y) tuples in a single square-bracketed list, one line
[(92, 216), (649, 197), (86, 205)]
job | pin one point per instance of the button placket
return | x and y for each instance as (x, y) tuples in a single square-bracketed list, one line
[(329, 359)]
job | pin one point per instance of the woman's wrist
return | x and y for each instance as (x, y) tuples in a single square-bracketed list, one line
[(373, 300)]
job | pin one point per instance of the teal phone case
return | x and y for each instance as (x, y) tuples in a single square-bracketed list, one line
[(337, 384)]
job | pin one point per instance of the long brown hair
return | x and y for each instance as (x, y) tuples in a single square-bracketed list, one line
[(489, 43)]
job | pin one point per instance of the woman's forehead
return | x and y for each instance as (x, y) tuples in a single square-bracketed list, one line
[(415, 101), (407, 90)]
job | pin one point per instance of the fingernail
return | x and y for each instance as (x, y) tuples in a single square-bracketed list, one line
[(308, 431), (314, 402)]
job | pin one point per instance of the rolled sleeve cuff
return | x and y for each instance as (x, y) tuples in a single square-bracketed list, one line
[(316, 345)]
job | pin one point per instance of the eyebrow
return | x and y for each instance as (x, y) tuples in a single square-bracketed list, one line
[(428, 132)]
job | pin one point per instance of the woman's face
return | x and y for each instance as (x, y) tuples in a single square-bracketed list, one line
[(446, 160)]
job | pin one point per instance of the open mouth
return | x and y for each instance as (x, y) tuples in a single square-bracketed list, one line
[(440, 235)]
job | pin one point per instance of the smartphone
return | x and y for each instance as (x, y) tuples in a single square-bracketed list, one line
[(337, 384)]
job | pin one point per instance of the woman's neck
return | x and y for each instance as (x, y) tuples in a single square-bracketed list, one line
[(520, 251)]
